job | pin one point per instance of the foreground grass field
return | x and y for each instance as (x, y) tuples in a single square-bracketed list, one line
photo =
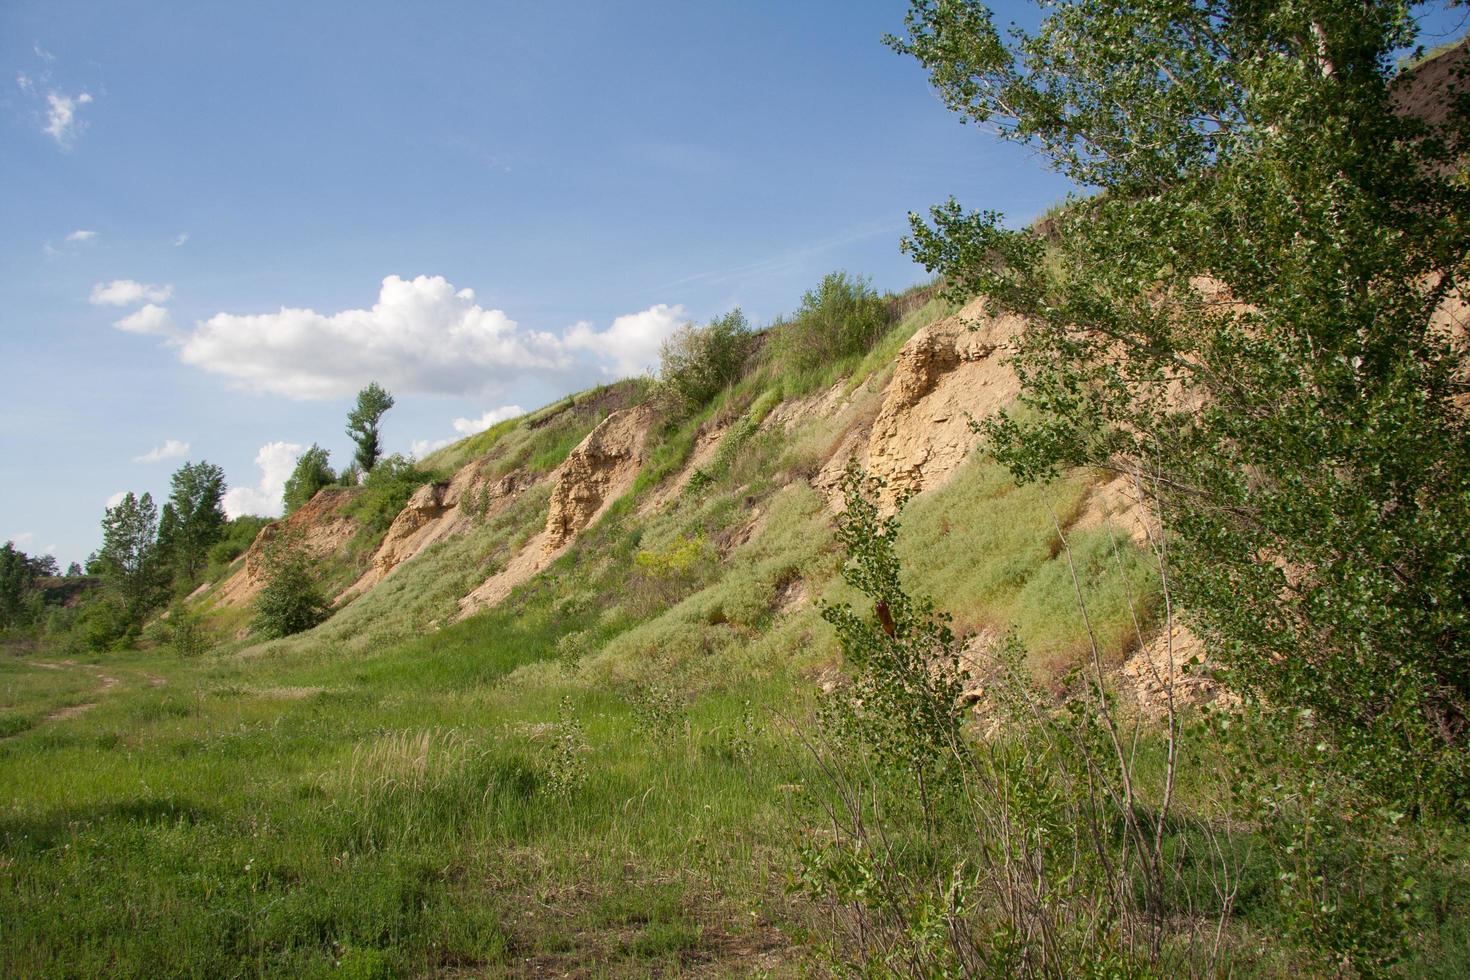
[(409, 813)]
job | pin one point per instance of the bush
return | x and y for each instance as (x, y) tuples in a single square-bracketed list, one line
[(697, 363), (239, 534), (385, 490), (840, 318), (291, 600)]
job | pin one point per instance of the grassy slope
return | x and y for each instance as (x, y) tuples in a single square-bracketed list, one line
[(365, 793), (378, 800)]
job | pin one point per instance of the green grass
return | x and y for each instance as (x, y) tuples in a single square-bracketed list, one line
[(392, 793)]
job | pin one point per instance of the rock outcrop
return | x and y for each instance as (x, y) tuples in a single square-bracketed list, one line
[(947, 374), (322, 527), (1175, 658), (600, 470), (437, 511)]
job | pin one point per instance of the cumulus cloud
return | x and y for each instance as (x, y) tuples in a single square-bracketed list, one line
[(62, 123), (116, 499), (422, 335), (126, 292), (420, 448), (276, 460), (81, 235), (148, 319), (171, 449), (468, 427), (631, 344), (22, 539)]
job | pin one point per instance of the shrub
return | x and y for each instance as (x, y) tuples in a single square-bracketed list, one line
[(385, 490), (239, 534), (291, 600), (842, 317), (697, 363)]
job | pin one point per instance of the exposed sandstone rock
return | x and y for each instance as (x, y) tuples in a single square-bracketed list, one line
[(947, 374), (323, 530), (1166, 659), (437, 511), (600, 470), (1115, 503)]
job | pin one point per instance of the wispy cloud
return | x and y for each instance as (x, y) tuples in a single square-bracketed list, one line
[(150, 318), (81, 235), (788, 260), (468, 427), (171, 449), (62, 123), (61, 110), (181, 238), (126, 292)]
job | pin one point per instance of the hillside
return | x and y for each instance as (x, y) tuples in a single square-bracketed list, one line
[(649, 583), (790, 677)]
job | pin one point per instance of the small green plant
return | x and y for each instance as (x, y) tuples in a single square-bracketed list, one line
[(291, 599), (566, 766), (571, 648), (659, 712), (187, 634)]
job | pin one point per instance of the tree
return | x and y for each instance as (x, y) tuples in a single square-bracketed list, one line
[(127, 558), (697, 363), (291, 600), (17, 579), (1241, 317), (73, 570), (313, 471), (197, 501), (362, 424)]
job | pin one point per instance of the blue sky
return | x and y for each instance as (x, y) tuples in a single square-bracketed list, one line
[(218, 220)]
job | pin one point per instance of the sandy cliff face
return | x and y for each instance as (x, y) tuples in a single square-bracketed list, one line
[(323, 530), (947, 375), (600, 470), (437, 511)]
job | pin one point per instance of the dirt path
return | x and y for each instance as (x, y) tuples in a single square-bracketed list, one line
[(106, 682)]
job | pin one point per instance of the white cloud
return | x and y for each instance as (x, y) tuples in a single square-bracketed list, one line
[(147, 319), (420, 448), (422, 335), (62, 123), (468, 427), (276, 461), (81, 235), (116, 499), (633, 340), (125, 292), (22, 539), (181, 238), (23, 81), (171, 449)]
